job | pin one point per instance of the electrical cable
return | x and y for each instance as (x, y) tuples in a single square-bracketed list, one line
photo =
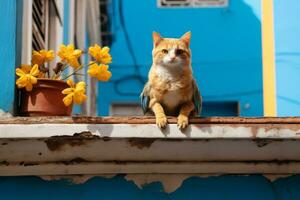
[(137, 73)]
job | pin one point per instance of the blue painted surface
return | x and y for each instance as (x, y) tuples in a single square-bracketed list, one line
[(213, 109), (212, 188), (226, 47), (287, 53), (66, 16), (8, 53)]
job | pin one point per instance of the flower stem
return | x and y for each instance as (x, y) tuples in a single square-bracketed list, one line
[(79, 68), (79, 74)]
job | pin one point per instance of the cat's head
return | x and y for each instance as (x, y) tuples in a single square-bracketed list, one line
[(171, 52)]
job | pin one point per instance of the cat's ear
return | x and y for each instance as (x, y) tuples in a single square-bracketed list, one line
[(186, 38), (156, 38)]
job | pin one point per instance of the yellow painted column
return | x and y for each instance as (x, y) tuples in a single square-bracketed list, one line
[(268, 50)]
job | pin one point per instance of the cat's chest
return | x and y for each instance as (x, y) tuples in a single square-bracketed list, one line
[(172, 98)]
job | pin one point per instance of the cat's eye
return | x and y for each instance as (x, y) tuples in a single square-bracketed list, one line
[(179, 52), (165, 51)]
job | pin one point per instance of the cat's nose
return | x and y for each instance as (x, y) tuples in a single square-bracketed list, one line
[(172, 59)]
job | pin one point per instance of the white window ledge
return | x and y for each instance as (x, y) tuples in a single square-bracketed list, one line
[(134, 145)]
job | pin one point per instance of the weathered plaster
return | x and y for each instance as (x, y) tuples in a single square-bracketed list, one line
[(82, 148), (170, 182)]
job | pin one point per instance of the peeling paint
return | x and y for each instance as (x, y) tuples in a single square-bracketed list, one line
[(274, 177), (55, 143), (170, 182), (74, 161), (76, 179), (4, 162), (262, 142), (141, 143), (26, 164), (85, 134)]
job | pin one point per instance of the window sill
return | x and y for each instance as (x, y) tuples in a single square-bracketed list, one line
[(94, 145)]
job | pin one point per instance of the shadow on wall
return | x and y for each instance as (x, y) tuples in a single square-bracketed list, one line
[(226, 47)]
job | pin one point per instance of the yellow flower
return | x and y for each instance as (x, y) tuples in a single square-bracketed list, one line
[(100, 54), (99, 71), (70, 55), (75, 93), (27, 68), (42, 56), (27, 76)]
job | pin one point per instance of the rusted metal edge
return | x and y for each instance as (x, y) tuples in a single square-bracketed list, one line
[(151, 168), (148, 120)]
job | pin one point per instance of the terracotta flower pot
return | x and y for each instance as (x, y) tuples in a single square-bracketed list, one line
[(45, 99)]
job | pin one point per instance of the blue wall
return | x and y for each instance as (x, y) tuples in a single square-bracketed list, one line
[(212, 188), (10, 47), (226, 47), (287, 53)]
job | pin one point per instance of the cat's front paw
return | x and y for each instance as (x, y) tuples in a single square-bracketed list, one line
[(161, 121), (183, 121)]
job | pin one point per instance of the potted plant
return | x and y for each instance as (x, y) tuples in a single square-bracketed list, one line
[(43, 94)]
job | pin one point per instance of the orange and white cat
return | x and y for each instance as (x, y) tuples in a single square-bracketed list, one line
[(171, 88)]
